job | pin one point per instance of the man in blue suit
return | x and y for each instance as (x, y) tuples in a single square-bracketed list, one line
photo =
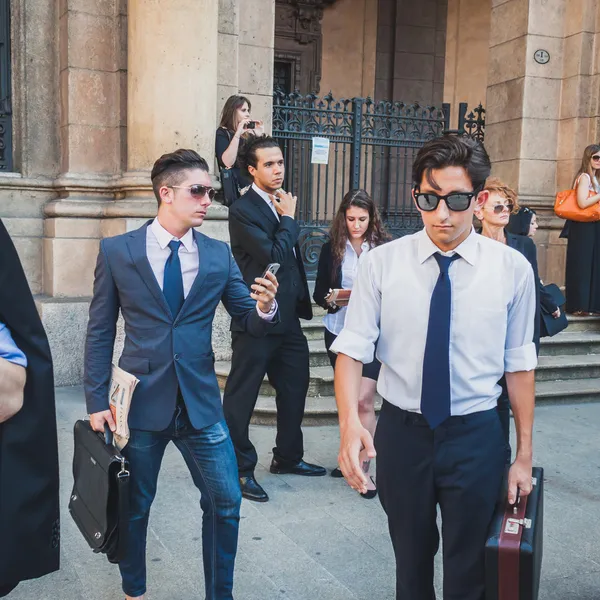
[(167, 279)]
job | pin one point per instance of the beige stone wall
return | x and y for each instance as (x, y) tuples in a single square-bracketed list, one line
[(467, 53), (246, 39), (411, 47), (349, 30)]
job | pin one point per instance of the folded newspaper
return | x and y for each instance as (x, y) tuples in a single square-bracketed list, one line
[(122, 385), (338, 297)]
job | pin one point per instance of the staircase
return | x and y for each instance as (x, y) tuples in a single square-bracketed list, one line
[(568, 371)]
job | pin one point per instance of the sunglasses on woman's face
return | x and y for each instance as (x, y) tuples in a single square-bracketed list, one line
[(499, 208), (596, 157), (197, 191), (456, 201)]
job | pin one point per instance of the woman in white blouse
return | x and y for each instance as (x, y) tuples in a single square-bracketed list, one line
[(356, 229)]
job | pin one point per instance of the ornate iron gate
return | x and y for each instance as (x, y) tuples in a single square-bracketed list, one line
[(372, 146)]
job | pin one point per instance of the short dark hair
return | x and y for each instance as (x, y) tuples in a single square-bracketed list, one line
[(247, 154), (452, 151), (169, 168)]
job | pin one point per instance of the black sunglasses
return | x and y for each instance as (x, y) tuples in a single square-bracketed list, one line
[(456, 201), (197, 191), (499, 208), (596, 157)]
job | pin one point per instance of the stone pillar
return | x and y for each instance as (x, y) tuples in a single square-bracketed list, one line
[(172, 66), (523, 110)]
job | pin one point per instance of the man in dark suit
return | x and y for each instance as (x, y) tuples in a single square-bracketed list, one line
[(167, 279), (263, 230)]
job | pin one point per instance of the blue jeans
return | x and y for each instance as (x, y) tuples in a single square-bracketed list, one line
[(211, 460)]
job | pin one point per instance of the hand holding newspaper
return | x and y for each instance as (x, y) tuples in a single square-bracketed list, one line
[(338, 297), (122, 385)]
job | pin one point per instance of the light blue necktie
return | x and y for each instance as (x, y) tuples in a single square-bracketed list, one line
[(435, 394), (173, 280)]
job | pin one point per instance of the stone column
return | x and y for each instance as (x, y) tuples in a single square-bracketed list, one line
[(172, 85), (523, 110)]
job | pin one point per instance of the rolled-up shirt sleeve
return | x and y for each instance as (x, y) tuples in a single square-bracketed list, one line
[(519, 353), (361, 328)]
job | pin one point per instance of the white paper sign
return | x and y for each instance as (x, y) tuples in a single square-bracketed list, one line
[(320, 151)]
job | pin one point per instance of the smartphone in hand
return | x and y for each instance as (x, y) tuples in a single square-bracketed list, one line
[(271, 268)]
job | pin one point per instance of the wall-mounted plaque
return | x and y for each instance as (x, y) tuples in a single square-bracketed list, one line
[(542, 57)]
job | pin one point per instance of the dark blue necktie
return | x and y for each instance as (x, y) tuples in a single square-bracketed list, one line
[(435, 394), (173, 280)]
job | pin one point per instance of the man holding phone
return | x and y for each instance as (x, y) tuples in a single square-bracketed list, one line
[(263, 230)]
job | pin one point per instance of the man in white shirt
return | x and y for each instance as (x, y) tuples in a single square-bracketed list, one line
[(452, 312), (167, 280)]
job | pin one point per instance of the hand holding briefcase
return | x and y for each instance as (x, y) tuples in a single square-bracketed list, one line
[(99, 502), (513, 551)]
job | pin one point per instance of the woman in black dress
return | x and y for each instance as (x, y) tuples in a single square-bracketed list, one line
[(236, 123), (583, 247), (494, 216), (356, 229)]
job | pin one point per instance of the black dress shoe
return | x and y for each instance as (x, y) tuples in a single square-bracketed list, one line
[(299, 468), (337, 473), (251, 490)]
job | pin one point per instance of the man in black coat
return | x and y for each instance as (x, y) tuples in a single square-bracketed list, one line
[(263, 230), (29, 509)]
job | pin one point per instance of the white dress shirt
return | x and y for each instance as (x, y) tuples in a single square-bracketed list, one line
[(491, 328), (334, 322), (266, 198), (158, 251), (270, 204)]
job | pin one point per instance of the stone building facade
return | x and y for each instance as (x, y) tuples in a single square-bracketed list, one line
[(98, 89)]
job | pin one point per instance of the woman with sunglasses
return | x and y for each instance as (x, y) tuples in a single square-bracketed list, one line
[(583, 247), (356, 229), (494, 216)]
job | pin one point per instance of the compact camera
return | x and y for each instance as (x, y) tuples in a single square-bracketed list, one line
[(250, 125)]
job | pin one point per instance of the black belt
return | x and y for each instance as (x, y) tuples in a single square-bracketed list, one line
[(418, 420)]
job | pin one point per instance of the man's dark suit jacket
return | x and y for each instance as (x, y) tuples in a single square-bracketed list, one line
[(259, 238), (165, 352)]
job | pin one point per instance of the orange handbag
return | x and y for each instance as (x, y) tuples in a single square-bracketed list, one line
[(566, 207)]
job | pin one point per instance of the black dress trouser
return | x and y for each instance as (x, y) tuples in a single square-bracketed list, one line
[(458, 466), (285, 360)]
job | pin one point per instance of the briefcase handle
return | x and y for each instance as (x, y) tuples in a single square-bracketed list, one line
[(108, 435)]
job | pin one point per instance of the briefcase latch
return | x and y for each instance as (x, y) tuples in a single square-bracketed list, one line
[(512, 525)]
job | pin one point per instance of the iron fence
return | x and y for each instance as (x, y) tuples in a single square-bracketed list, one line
[(372, 145)]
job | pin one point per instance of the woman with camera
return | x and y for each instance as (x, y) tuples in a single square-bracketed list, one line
[(356, 229), (236, 123)]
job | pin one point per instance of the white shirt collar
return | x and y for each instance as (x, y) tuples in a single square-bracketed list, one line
[(262, 194), (364, 246), (468, 249), (164, 237)]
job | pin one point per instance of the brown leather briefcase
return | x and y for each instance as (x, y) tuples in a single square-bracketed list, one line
[(513, 552)]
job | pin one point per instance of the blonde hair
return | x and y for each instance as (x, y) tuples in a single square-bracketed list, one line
[(494, 185)]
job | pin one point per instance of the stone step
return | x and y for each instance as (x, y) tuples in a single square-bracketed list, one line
[(313, 330), (319, 410), (571, 342), (321, 380), (583, 323), (569, 367), (567, 391), (318, 354)]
